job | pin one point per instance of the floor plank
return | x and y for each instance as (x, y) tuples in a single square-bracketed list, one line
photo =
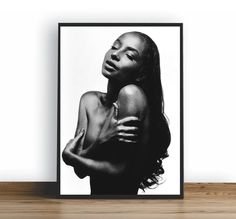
[(38, 200)]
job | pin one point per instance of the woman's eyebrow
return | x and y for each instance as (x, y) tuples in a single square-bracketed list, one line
[(133, 49), (118, 41), (128, 47)]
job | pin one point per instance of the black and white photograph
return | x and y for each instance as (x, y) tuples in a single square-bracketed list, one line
[(120, 110)]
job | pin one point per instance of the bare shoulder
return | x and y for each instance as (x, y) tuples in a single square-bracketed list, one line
[(132, 101), (90, 98)]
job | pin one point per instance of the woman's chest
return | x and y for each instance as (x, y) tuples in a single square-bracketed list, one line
[(96, 121)]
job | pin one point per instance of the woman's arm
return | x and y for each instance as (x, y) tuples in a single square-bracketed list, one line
[(75, 145), (82, 122), (90, 166), (111, 133), (93, 167), (132, 102), (132, 109), (83, 166)]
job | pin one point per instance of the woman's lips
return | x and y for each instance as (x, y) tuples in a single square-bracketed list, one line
[(111, 66)]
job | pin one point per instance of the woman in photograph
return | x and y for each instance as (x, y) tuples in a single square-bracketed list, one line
[(122, 136)]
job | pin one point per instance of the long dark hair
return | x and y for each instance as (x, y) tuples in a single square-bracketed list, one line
[(159, 129)]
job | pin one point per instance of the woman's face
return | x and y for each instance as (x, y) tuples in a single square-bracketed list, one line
[(123, 60)]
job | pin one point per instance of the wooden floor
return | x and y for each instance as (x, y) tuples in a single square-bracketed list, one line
[(37, 200)]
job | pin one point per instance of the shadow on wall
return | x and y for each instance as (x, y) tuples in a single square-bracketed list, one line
[(48, 97)]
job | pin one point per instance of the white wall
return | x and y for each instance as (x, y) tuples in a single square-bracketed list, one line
[(28, 81)]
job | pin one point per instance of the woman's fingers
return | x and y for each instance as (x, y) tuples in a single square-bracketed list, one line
[(71, 147), (129, 119), (73, 144), (77, 139), (127, 141), (127, 136), (128, 129), (79, 136), (71, 140)]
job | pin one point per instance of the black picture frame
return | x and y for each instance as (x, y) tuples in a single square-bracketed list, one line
[(180, 195)]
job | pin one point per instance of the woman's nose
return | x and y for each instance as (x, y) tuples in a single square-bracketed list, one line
[(115, 56)]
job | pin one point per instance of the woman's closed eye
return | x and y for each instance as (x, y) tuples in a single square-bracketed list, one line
[(131, 57), (114, 47)]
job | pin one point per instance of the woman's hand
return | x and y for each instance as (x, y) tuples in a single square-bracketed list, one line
[(70, 154), (72, 147), (123, 130)]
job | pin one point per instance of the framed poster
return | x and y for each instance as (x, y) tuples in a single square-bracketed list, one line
[(120, 110)]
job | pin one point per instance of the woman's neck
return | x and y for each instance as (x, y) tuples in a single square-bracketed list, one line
[(112, 93)]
